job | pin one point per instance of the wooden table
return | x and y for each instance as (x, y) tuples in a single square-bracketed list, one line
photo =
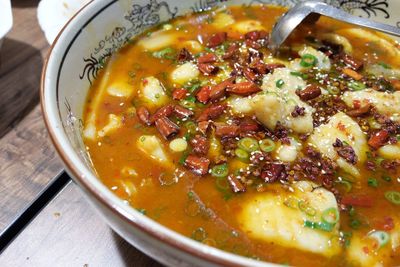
[(44, 218)]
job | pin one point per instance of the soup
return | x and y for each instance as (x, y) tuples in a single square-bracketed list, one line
[(289, 157)]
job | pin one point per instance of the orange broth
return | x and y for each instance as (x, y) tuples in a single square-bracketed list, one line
[(196, 206)]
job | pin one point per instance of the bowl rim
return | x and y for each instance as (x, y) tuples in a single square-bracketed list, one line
[(99, 191)]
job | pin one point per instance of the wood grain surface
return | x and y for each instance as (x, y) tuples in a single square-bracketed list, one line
[(27, 159), (68, 233)]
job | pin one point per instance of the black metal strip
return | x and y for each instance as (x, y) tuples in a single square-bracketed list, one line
[(44, 197)]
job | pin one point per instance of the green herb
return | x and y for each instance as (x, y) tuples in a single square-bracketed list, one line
[(192, 86), (356, 86), (386, 178), (166, 53), (102, 62), (199, 234), (306, 208), (333, 90), (299, 74), (183, 158), (241, 154), (308, 60), (327, 227), (381, 237), (379, 160), (191, 99), (355, 223), (249, 12), (279, 83), (187, 104), (190, 195), (142, 211), (393, 196), (330, 215), (372, 182), (248, 144), (352, 211), (348, 186), (384, 65), (267, 145), (220, 170), (131, 74), (137, 126), (191, 127), (222, 184), (346, 237), (167, 26), (291, 202)]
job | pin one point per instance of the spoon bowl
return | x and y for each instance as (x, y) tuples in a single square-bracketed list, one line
[(310, 12)]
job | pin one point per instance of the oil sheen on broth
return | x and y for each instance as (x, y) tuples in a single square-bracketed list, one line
[(291, 158)]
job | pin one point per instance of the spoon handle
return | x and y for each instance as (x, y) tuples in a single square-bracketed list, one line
[(341, 15)]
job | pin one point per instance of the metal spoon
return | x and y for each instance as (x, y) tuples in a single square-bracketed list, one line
[(311, 11)]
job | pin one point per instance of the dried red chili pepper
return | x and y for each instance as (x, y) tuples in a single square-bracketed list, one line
[(198, 165)]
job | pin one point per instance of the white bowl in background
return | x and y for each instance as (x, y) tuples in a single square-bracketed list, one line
[(54, 14), (100, 28), (5, 19)]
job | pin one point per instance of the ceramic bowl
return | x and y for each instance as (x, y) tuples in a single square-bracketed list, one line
[(5, 19), (99, 29)]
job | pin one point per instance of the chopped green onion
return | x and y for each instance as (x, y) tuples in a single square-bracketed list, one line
[(330, 215), (333, 90), (191, 99), (379, 160), (381, 237), (222, 184), (280, 83), (267, 145), (182, 159), (241, 154), (299, 74), (356, 86), (308, 60), (220, 170), (346, 237), (352, 211), (188, 104), (306, 208), (199, 234), (291, 102), (348, 186), (192, 86), (166, 53), (191, 127), (291, 202), (248, 144), (310, 224), (386, 178), (192, 208), (372, 182), (393, 196), (384, 65), (355, 223), (327, 227), (167, 26), (142, 211)]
